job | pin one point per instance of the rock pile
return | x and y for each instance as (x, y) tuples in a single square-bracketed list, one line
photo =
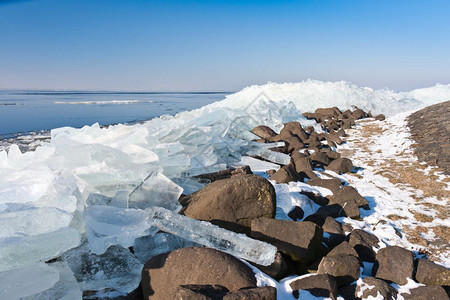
[(328, 255)]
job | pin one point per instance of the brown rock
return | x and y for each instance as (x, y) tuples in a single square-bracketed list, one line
[(287, 174), (296, 129), (340, 165), (380, 117), (259, 293), (302, 163), (359, 114), (338, 207), (345, 269), (348, 192), (264, 132), (320, 158), (377, 286), (200, 292), (342, 249), (432, 292), (232, 203), (364, 242), (228, 173), (162, 274), (320, 285), (394, 264), (430, 273), (278, 269), (300, 239), (332, 184)]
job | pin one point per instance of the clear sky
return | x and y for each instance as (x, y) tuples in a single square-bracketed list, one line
[(222, 45)]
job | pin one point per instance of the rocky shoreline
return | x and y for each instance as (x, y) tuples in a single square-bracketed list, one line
[(323, 256)]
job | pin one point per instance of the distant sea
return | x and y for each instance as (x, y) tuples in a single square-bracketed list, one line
[(22, 112)]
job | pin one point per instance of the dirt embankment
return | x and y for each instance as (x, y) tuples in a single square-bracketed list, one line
[(430, 128)]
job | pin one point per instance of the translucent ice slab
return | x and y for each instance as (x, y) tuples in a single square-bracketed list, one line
[(16, 252), (33, 221), (23, 282), (156, 190), (212, 236), (275, 157), (257, 165), (116, 269), (125, 224), (149, 246), (66, 288)]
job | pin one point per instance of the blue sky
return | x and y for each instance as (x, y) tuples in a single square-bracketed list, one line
[(221, 45)]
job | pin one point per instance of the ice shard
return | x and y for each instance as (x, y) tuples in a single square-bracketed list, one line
[(275, 157), (149, 246), (212, 236), (23, 282), (16, 252), (116, 269), (124, 225), (66, 288), (156, 190), (33, 221)]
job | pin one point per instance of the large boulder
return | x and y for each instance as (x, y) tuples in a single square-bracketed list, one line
[(320, 158), (364, 243), (371, 287), (339, 207), (295, 128), (432, 292), (348, 192), (320, 285), (232, 203), (287, 174), (278, 269), (302, 164), (345, 268), (299, 239), (430, 273), (333, 184), (163, 274), (394, 264), (264, 132), (340, 165), (227, 173)]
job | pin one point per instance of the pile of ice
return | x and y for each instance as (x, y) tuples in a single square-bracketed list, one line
[(90, 193)]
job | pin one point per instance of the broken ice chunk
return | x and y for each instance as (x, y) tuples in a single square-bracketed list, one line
[(257, 165), (212, 236), (23, 282), (116, 269), (275, 157), (114, 221), (16, 252), (120, 199), (33, 221), (156, 190), (66, 288), (149, 246), (97, 199), (189, 185)]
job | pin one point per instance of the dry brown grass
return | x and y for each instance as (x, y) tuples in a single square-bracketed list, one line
[(412, 175), (395, 217)]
